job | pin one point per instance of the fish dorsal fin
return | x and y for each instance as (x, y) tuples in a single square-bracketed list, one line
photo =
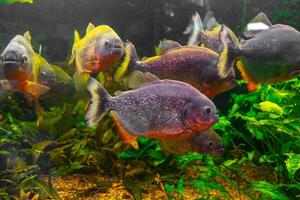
[(223, 67), (212, 23), (27, 36), (166, 45), (89, 28), (138, 79), (76, 36), (73, 53), (259, 23), (261, 17)]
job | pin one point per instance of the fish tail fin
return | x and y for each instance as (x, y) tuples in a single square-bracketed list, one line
[(198, 30), (131, 58), (223, 67), (99, 103)]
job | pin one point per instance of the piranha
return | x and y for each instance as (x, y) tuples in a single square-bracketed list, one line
[(269, 54), (205, 142), (98, 51), (28, 72), (159, 109), (198, 66)]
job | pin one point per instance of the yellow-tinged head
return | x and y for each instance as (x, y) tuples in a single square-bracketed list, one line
[(99, 50)]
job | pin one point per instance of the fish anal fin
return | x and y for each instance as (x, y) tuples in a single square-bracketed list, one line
[(125, 136), (138, 79), (36, 89), (252, 86)]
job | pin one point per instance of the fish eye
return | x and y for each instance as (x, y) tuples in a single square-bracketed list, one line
[(107, 44), (24, 59), (210, 143), (207, 110)]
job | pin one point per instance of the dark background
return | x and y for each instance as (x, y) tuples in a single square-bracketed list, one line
[(144, 22)]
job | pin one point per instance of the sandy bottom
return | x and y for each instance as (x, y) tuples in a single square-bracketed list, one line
[(78, 187)]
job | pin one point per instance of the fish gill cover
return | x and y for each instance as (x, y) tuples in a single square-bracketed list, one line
[(260, 131)]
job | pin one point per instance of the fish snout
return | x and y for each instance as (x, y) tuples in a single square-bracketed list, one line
[(13, 56), (218, 151), (114, 45), (215, 119)]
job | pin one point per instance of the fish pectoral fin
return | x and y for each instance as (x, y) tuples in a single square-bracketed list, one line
[(125, 136), (138, 79), (294, 73), (36, 89), (166, 45)]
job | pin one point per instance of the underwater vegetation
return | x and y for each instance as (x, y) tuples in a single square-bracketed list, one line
[(260, 129), (15, 1)]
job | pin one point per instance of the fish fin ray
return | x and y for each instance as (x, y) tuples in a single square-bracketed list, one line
[(36, 89), (138, 79), (89, 28), (212, 23), (252, 86), (259, 23), (27, 36), (261, 17), (166, 45), (223, 66), (98, 106)]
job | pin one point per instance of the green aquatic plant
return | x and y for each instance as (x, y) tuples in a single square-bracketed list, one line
[(15, 1), (266, 122)]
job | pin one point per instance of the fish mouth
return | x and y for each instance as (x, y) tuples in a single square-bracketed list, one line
[(201, 125), (218, 151), (9, 65), (117, 50), (213, 120)]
